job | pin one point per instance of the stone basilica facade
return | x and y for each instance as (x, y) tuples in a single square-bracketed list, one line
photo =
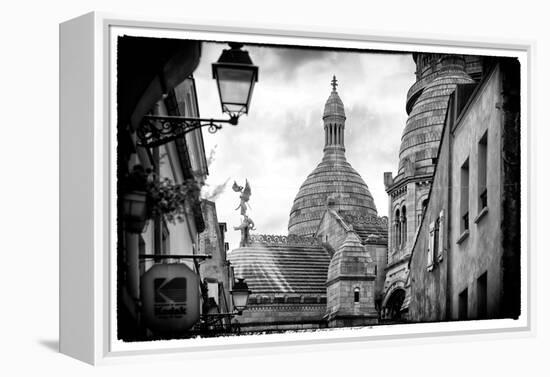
[(341, 264), (328, 271)]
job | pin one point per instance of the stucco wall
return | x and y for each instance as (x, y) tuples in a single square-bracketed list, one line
[(428, 288), (481, 250), (211, 242)]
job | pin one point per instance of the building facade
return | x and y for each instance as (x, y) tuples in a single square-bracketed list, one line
[(159, 236), (160, 83), (437, 75), (465, 258), (216, 272)]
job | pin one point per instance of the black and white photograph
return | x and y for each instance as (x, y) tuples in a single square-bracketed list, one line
[(275, 189), (267, 188)]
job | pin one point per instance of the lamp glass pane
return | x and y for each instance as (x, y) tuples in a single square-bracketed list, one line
[(234, 109), (135, 206), (139, 209), (240, 299), (234, 85)]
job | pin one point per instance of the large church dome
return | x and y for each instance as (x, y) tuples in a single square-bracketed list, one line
[(333, 179)]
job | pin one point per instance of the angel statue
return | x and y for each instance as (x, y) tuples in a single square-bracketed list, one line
[(245, 196), (246, 226)]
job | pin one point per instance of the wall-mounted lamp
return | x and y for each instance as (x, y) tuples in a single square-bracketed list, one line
[(235, 75), (239, 295)]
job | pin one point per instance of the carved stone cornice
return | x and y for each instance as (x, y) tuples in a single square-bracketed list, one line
[(362, 219), (286, 307), (400, 191), (400, 186), (279, 240)]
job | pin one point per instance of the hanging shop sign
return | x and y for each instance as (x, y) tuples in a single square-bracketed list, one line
[(170, 297)]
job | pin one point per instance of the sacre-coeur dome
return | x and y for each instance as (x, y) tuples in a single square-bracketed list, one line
[(333, 179)]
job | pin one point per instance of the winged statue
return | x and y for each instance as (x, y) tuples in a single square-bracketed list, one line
[(245, 196), (236, 187), (247, 224)]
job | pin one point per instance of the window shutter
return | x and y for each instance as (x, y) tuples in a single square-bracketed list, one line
[(431, 247), (441, 236)]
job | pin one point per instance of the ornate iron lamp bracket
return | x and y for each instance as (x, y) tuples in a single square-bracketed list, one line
[(158, 130)]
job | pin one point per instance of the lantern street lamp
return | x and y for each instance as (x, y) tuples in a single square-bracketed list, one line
[(240, 294), (235, 76), (135, 211)]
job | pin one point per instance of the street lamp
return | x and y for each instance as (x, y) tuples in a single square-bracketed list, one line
[(135, 211), (240, 294), (235, 76)]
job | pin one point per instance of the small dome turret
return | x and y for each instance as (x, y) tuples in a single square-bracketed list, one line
[(334, 107)]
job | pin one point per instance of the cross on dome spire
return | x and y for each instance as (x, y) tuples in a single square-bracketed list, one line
[(334, 119), (334, 83)]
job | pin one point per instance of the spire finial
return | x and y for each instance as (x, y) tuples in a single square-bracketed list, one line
[(334, 83)]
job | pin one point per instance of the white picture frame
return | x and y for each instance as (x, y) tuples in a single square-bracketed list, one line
[(86, 177)]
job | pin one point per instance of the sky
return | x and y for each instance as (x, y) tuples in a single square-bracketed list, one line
[(281, 140)]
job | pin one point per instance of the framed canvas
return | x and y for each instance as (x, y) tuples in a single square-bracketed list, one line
[(227, 189)]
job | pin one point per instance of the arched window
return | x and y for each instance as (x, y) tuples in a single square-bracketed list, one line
[(397, 230), (356, 294), (404, 226)]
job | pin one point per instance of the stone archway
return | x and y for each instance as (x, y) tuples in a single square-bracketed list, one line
[(392, 310), (393, 301)]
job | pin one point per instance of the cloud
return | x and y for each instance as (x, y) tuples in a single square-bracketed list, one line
[(286, 63), (214, 192), (300, 132)]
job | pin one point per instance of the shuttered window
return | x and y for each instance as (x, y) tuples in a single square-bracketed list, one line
[(430, 254), (441, 236)]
